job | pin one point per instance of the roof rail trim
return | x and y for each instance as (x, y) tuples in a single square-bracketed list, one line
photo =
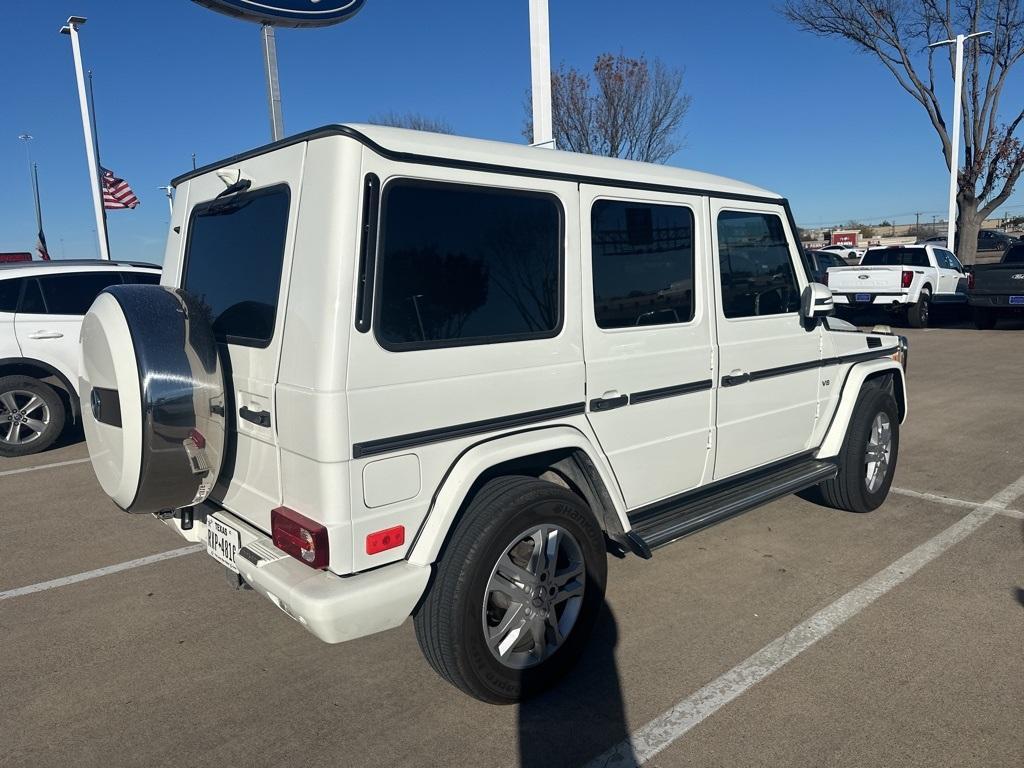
[(418, 159)]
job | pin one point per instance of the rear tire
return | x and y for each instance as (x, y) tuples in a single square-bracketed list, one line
[(919, 313), (471, 608), (31, 416), (873, 432), (984, 319)]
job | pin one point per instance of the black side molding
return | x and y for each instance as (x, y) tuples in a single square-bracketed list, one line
[(679, 389), (783, 370), (415, 439)]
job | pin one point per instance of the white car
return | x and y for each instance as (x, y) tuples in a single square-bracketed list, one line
[(905, 279), (461, 372), (41, 309), (850, 253)]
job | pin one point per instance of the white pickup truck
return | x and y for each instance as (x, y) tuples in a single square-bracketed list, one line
[(902, 278)]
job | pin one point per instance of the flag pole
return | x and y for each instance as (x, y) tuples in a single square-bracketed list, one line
[(44, 252), (540, 71), (71, 29), (96, 149)]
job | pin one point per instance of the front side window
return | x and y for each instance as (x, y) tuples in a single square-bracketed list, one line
[(755, 264), (73, 293), (233, 263), (642, 264), (462, 264)]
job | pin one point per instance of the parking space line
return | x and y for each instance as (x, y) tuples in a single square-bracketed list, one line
[(43, 466), (668, 727), (105, 571), (950, 501)]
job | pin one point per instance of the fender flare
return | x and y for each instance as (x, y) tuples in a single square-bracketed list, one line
[(477, 459), (852, 386), (65, 381)]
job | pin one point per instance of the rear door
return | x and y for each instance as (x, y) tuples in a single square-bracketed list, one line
[(768, 396), (648, 338), (236, 261)]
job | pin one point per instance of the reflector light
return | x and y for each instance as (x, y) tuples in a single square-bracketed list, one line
[(970, 281), (384, 540), (908, 278), (300, 537), (197, 438)]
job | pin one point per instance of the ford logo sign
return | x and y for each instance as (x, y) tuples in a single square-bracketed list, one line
[(1018, 276), (288, 13)]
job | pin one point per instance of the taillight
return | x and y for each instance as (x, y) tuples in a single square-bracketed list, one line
[(384, 540), (908, 278), (970, 281), (300, 537)]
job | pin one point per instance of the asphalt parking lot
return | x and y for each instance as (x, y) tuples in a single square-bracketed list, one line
[(793, 635)]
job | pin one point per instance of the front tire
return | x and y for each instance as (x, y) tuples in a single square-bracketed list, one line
[(919, 313), (868, 457), (31, 416), (517, 591)]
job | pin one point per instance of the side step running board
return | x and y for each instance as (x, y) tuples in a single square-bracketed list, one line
[(665, 521)]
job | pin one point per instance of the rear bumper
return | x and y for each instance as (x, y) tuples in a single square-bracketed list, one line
[(877, 299), (334, 608), (997, 301)]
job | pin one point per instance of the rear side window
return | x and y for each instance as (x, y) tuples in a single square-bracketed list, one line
[(907, 257), (233, 263), (757, 271), (462, 264), (642, 264), (9, 290), (71, 293)]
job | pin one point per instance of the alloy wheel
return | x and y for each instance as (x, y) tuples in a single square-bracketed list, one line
[(878, 452), (533, 596), (24, 416)]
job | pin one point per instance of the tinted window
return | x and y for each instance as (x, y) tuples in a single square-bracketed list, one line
[(233, 263), (463, 265), (895, 256), (1015, 255), (946, 259), (642, 264), (141, 278), (74, 292), (757, 271), (32, 299), (9, 290)]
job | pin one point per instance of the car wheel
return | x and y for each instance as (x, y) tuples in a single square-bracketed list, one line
[(984, 319), (31, 416), (516, 592), (919, 313), (868, 457)]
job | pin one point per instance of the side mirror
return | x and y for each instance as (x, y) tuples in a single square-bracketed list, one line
[(816, 301)]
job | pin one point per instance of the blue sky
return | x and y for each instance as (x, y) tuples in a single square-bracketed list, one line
[(809, 118)]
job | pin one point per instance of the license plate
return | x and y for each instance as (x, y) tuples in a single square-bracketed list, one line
[(862, 298), (1017, 299), (222, 542)]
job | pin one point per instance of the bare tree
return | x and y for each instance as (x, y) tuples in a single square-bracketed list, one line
[(413, 120), (897, 33), (625, 107)]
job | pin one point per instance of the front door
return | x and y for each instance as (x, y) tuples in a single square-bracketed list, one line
[(768, 388), (647, 338)]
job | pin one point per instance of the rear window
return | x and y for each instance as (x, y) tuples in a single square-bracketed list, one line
[(140, 278), (233, 263), (463, 264), (71, 293), (1015, 255), (9, 290), (907, 257)]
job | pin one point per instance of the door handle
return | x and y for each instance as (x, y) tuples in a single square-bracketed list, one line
[(735, 377), (46, 335), (259, 418), (608, 403)]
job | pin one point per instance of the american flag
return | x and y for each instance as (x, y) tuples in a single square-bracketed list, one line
[(116, 192), (41, 246)]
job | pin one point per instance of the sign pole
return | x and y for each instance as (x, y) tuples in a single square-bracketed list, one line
[(273, 85), (540, 71), (71, 28)]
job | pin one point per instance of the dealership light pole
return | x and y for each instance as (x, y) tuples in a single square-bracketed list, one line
[(540, 72), (71, 28), (273, 84), (954, 155)]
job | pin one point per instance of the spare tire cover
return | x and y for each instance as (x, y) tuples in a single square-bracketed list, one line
[(152, 396)]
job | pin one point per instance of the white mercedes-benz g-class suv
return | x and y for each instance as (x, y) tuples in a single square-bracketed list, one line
[(394, 374)]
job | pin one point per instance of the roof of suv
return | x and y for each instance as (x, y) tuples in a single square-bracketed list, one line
[(436, 149), (23, 268)]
